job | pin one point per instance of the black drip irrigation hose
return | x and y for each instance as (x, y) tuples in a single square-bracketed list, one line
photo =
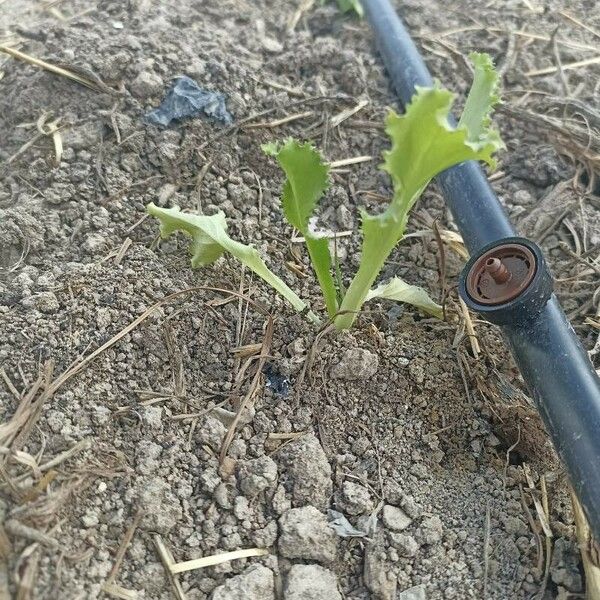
[(552, 361)]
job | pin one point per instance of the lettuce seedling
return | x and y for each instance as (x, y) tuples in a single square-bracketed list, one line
[(424, 143)]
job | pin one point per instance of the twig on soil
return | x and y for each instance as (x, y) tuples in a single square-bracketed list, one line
[(263, 113), (16, 491), (469, 328), (86, 80), (553, 225), (589, 548), (561, 72), (567, 67), (27, 566), (5, 545), (18, 529), (336, 164), (534, 528), (198, 415), (122, 250), (279, 86), (167, 560), (536, 502), (22, 149), (339, 118), (112, 589), (35, 491), (261, 359), (198, 184), (507, 460), (571, 18), (240, 324), (108, 587), (246, 350), (442, 267), (278, 122), (330, 236), (521, 33), (546, 507), (301, 10), (461, 366), (310, 357), (486, 550), (10, 385), (509, 56), (51, 129), (14, 432), (286, 436), (574, 234), (60, 458), (452, 239)]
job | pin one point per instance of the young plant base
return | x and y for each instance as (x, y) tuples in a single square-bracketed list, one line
[(423, 145)]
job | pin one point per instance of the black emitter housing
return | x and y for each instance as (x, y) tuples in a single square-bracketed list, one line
[(552, 361), (529, 298)]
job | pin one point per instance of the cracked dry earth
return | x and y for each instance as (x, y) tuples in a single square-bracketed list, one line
[(429, 454)]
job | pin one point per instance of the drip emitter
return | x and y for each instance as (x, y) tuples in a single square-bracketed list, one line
[(507, 281)]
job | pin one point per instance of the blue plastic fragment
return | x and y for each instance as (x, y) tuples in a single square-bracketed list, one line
[(185, 99), (276, 381)]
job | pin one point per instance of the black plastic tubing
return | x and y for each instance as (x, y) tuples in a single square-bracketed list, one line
[(549, 355)]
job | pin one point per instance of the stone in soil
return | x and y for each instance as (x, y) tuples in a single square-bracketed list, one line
[(147, 85), (355, 499), (379, 578), (431, 530), (564, 569), (311, 582), (416, 592), (395, 518), (305, 534), (161, 507), (356, 364), (257, 475), (255, 583), (406, 545), (212, 433), (308, 472)]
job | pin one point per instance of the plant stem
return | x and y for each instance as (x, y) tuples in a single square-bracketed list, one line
[(318, 251), (354, 298), (357, 292), (372, 260)]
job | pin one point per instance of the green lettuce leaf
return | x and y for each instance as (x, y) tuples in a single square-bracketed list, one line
[(482, 98), (354, 5), (210, 241), (348, 5), (398, 289), (307, 179)]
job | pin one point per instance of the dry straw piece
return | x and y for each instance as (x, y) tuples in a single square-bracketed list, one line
[(216, 559), (86, 80), (590, 551)]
